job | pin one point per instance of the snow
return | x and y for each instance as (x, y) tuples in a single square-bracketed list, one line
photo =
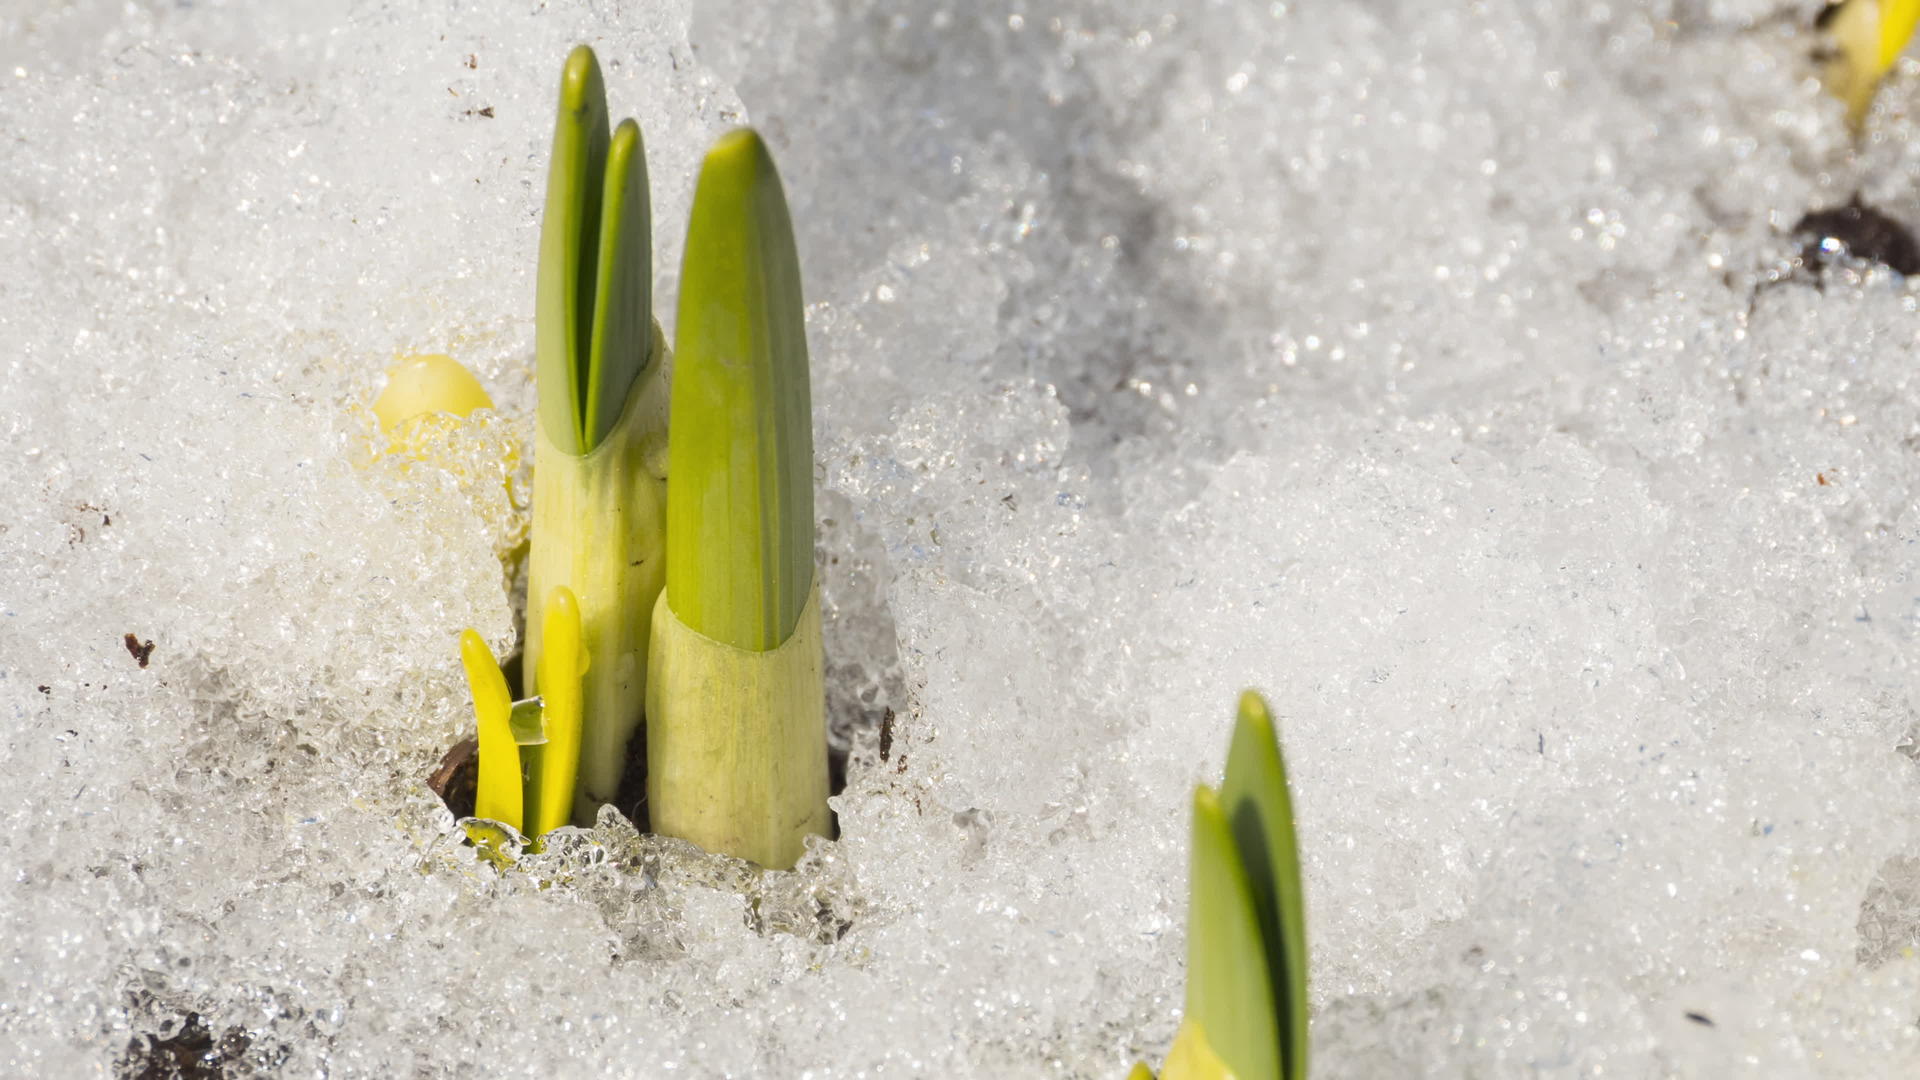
[(1440, 370)]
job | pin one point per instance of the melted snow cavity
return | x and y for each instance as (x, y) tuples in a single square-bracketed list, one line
[(1437, 368)]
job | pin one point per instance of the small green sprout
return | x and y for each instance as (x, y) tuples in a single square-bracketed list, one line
[(736, 706), (1868, 36), (532, 792), (1246, 1012)]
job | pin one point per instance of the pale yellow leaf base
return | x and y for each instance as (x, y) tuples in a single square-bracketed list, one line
[(599, 528), (737, 740)]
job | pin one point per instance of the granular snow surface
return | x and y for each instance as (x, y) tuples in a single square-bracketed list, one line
[(1449, 371)]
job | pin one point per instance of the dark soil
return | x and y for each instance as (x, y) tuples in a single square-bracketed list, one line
[(1861, 231), (193, 1053), (632, 800), (457, 777)]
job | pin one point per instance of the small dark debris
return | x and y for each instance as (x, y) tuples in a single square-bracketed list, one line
[(1861, 231), (141, 651), (886, 736), (106, 519), (836, 783), (1700, 1018), (486, 112), (1542, 745), (192, 1053), (473, 62), (47, 690), (1822, 477), (1009, 501)]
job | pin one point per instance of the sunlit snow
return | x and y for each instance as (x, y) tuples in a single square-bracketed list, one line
[(1441, 369)]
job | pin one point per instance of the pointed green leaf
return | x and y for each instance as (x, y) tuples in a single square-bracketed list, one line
[(1260, 812), (622, 327), (569, 232), (497, 780), (594, 309), (1228, 992), (740, 449)]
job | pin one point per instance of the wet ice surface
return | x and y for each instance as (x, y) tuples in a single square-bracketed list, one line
[(1419, 366)]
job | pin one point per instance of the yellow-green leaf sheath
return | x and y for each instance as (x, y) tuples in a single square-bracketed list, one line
[(1229, 995), (737, 740), (740, 505), (1260, 812), (599, 529), (562, 664), (1139, 1072), (1192, 1057), (497, 793)]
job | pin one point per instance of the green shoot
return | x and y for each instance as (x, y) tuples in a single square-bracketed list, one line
[(598, 509), (736, 698), (1246, 1014), (1229, 996), (1260, 812)]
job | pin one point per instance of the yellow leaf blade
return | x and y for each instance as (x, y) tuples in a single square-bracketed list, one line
[(562, 664), (497, 792)]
